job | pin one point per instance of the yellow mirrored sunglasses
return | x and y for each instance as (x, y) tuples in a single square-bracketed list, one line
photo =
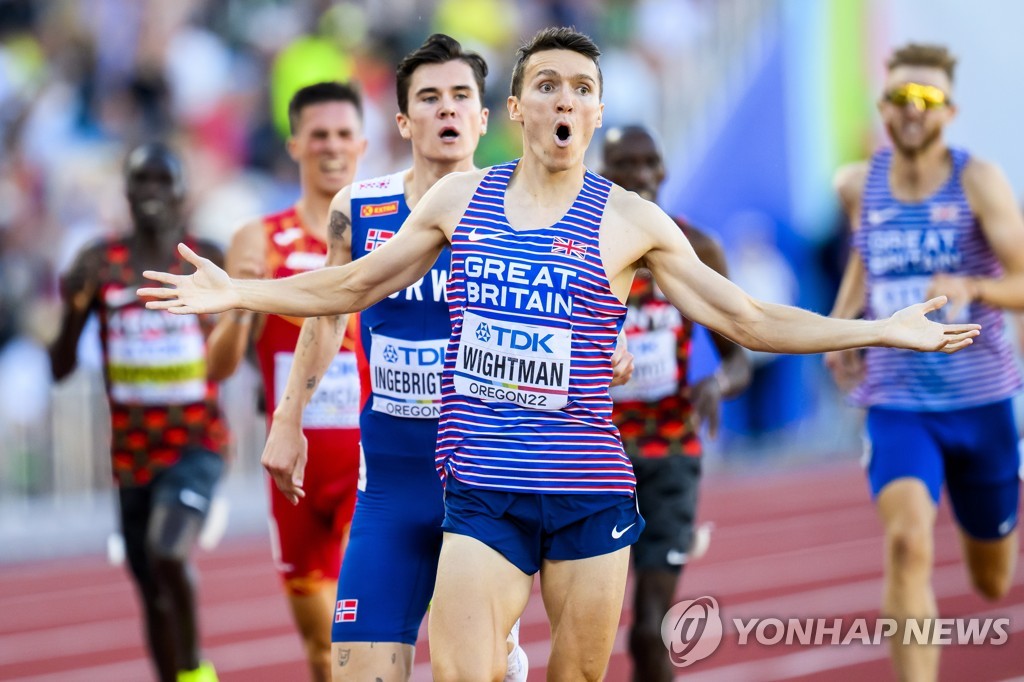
[(920, 96)]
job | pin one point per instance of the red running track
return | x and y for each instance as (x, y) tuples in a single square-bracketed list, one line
[(786, 544)]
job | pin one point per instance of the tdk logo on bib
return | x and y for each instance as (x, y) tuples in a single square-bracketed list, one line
[(504, 361), (515, 339), (418, 357), (406, 376)]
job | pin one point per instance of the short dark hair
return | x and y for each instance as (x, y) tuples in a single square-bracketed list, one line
[(555, 38), (923, 54), (318, 93), (156, 151), (437, 49)]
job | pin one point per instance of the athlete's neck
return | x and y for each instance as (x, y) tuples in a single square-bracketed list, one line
[(425, 173), (313, 208), (914, 177), (546, 185), (156, 243)]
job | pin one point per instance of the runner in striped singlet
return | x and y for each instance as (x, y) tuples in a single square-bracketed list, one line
[(543, 255), (390, 563), (931, 220)]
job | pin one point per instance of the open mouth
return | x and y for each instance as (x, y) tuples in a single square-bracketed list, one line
[(563, 134), (152, 207), (449, 134)]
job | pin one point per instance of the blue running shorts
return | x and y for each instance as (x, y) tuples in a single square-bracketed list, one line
[(390, 563), (527, 528), (973, 451)]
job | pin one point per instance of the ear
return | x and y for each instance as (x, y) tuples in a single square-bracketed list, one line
[(362, 147), (600, 115), (403, 126), (513, 109), (293, 148), (951, 111), (484, 114)]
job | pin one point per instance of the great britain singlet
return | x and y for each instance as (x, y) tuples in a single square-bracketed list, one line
[(534, 325), (403, 336), (334, 406), (155, 364), (902, 246)]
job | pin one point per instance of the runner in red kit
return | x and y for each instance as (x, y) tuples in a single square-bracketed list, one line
[(167, 431), (308, 537)]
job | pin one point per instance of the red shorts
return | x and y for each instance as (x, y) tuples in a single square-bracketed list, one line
[(307, 537)]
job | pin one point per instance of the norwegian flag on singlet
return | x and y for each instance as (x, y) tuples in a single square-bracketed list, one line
[(376, 238)]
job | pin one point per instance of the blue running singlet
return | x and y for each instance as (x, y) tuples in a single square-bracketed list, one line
[(387, 575), (404, 335), (903, 245)]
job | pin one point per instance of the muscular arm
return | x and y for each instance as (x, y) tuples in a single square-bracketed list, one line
[(849, 186), (706, 297), (992, 200), (321, 336), (329, 291), (284, 455), (733, 377), (79, 288), (229, 340)]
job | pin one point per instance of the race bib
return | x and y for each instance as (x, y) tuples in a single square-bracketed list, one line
[(155, 358), (335, 403), (510, 362), (889, 296), (655, 368), (406, 376)]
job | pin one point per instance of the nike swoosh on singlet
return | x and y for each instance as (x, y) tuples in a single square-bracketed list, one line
[(475, 236), (616, 533), (883, 215)]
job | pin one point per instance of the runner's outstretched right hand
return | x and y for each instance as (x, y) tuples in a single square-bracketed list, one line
[(207, 290)]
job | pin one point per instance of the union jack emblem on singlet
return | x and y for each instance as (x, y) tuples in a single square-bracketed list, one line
[(376, 238), (569, 247)]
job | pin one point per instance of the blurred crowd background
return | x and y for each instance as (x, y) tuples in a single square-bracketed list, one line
[(757, 102)]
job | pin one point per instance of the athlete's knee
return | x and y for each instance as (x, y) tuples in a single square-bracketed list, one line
[(171, 573), (318, 653), (908, 535), (317, 642), (991, 576), (909, 547), (990, 583), (591, 669)]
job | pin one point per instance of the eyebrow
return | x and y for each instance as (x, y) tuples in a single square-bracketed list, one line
[(431, 90), (551, 73)]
